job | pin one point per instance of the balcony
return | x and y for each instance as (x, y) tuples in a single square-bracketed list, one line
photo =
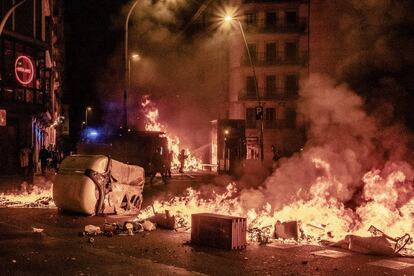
[(269, 124), (278, 95), (280, 59), (281, 26)]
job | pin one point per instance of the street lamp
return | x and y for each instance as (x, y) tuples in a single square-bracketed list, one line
[(127, 65), (86, 114), (229, 19), (133, 57)]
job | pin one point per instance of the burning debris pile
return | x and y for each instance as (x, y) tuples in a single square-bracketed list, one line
[(38, 195), (352, 174), (151, 115)]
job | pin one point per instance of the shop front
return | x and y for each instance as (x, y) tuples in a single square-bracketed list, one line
[(25, 101)]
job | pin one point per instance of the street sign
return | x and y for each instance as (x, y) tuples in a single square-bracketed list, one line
[(24, 70), (259, 112), (3, 114)]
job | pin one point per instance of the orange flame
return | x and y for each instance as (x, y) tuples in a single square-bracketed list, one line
[(151, 112)]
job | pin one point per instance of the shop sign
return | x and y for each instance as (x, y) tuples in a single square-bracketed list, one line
[(3, 114), (24, 70)]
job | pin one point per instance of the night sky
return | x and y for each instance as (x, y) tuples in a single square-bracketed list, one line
[(183, 74), (176, 69), (90, 40)]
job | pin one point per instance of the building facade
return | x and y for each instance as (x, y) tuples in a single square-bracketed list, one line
[(31, 73), (278, 41)]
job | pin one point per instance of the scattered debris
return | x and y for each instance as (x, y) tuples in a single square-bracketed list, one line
[(92, 230), (165, 221), (37, 230), (148, 225), (379, 244), (287, 230)]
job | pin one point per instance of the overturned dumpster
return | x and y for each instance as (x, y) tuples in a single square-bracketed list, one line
[(97, 184)]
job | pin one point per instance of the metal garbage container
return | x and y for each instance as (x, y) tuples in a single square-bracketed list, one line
[(97, 184)]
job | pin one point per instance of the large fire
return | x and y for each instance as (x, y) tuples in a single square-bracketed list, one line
[(336, 195), (151, 112), (321, 217)]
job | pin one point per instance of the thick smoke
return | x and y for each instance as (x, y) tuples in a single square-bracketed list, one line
[(183, 73), (343, 144), (378, 58), (357, 122)]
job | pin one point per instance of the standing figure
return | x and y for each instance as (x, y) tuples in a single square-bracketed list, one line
[(157, 166), (24, 158), (168, 160), (182, 157), (43, 156)]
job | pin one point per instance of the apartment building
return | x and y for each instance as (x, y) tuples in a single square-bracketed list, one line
[(278, 41), (31, 72)]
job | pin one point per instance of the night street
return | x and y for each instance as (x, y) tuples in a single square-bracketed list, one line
[(160, 252), (206, 137)]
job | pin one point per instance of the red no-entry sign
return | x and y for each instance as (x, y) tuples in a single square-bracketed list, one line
[(24, 70)]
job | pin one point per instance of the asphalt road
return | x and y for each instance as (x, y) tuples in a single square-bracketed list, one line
[(59, 250)]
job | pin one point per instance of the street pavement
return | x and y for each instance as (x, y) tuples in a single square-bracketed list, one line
[(59, 250)]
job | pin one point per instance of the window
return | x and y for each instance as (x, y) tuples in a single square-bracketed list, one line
[(291, 17), (290, 117), (251, 19), (291, 49), (250, 88), (270, 118), (253, 52), (270, 85), (270, 53), (270, 114), (291, 85), (250, 117), (271, 19)]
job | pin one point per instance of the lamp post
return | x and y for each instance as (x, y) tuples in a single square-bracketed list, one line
[(127, 67), (229, 18), (133, 57), (86, 115)]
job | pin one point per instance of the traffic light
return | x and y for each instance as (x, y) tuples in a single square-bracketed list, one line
[(259, 112)]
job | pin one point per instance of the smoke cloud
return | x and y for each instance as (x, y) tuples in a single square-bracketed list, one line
[(343, 144), (184, 73)]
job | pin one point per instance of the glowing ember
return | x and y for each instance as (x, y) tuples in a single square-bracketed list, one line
[(152, 115)]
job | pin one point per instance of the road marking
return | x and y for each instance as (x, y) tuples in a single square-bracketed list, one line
[(331, 253), (391, 264)]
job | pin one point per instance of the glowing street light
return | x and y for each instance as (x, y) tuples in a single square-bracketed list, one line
[(228, 19), (87, 109), (133, 57)]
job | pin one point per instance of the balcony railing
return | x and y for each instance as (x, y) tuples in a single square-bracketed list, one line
[(270, 124), (280, 26), (266, 95), (279, 59)]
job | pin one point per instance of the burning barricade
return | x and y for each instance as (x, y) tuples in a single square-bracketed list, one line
[(96, 184)]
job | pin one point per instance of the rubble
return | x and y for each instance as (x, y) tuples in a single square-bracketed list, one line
[(92, 230), (287, 230), (148, 225), (165, 221)]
